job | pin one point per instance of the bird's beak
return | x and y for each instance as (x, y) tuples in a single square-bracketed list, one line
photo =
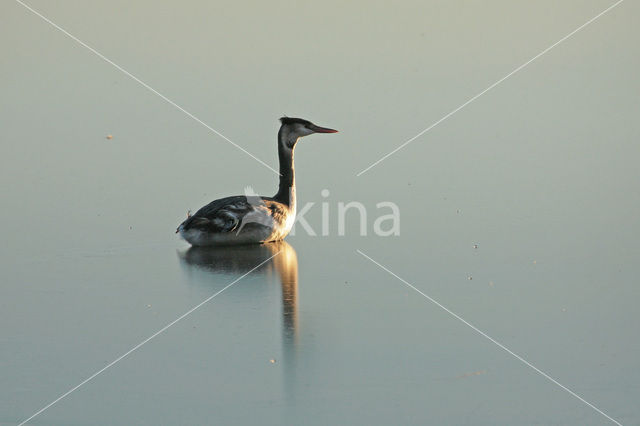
[(319, 129)]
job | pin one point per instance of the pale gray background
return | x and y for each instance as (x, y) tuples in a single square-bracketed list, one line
[(541, 172)]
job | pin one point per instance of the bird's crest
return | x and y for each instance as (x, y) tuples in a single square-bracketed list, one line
[(293, 120)]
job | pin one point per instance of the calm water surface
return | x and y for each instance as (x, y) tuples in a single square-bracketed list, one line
[(519, 213)]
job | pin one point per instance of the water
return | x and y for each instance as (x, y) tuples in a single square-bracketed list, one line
[(540, 173)]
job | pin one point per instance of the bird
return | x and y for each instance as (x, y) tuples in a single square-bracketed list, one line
[(250, 218)]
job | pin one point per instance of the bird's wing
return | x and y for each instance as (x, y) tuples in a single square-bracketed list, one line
[(221, 216)]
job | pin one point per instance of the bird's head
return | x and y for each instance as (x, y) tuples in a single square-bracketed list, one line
[(294, 128)]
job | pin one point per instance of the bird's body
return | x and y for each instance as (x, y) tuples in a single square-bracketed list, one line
[(234, 220), (249, 218)]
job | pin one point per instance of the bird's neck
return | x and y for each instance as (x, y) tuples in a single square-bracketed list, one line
[(287, 189)]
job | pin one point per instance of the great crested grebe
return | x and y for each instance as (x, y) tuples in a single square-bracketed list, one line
[(252, 219)]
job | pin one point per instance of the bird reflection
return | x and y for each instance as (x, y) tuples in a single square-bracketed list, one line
[(239, 260)]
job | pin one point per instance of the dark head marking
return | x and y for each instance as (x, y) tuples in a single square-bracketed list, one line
[(292, 120)]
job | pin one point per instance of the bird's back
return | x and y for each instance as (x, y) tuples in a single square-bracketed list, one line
[(237, 220)]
